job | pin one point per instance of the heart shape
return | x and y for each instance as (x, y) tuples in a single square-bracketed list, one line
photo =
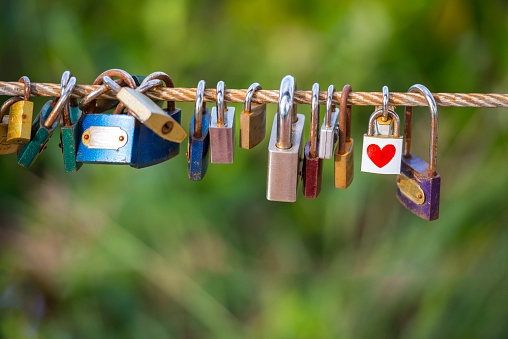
[(381, 157)]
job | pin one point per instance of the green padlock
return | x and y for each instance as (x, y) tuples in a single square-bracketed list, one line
[(69, 127), (43, 127)]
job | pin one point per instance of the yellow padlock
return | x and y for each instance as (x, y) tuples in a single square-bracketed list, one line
[(20, 117), (6, 148)]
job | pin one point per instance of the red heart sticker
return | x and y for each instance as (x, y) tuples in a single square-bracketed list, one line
[(381, 157)]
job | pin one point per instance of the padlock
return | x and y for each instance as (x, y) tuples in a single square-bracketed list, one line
[(20, 117), (5, 147), (147, 112), (69, 128), (222, 130), (114, 138), (343, 157), (382, 153), (329, 129), (43, 126), (285, 147), (252, 120), (312, 172), (199, 139), (418, 185)]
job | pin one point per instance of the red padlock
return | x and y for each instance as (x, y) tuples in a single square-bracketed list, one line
[(312, 173)]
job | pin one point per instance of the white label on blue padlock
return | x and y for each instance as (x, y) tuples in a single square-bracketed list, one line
[(104, 137)]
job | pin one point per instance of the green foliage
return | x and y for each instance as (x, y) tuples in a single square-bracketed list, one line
[(115, 252)]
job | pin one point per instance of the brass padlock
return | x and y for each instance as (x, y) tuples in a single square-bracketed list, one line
[(147, 112), (20, 117), (285, 147), (5, 147), (343, 157), (252, 120)]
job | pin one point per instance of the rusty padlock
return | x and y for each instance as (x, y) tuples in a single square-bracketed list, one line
[(312, 172), (252, 120), (343, 158), (419, 184)]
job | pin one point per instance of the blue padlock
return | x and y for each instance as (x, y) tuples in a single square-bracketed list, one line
[(199, 139), (107, 138), (121, 139)]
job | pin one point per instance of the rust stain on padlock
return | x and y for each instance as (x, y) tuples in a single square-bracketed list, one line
[(410, 189)]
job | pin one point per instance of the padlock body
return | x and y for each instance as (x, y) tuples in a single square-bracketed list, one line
[(20, 122), (344, 166), (69, 136), (416, 190), (284, 165), (312, 174), (108, 139), (222, 138), (252, 126), (198, 149), (29, 152), (381, 154), (6, 148), (328, 137), (152, 149), (151, 115)]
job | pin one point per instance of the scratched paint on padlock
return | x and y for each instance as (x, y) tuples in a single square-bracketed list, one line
[(381, 155)]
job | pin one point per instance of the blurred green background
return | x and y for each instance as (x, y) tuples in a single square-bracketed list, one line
[(115, 252)]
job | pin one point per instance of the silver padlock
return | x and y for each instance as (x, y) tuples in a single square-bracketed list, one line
[(222, 130), (285, 147), (329, 129)]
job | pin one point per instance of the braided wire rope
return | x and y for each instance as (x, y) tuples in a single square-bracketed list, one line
[(179, 94)]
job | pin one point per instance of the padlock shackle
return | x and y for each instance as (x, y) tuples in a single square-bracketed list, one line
[(344, 120), (7, 104), (89, 104), (408, 119), (61, 102), (199, 109), (167, 80), (285, 111), (94, 94), (378, 113), (66, 114), (314, 122), (386, 101), (330, 108), (248, 96), (111, 84), (143, 88), (26, 92), (221, 104)]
